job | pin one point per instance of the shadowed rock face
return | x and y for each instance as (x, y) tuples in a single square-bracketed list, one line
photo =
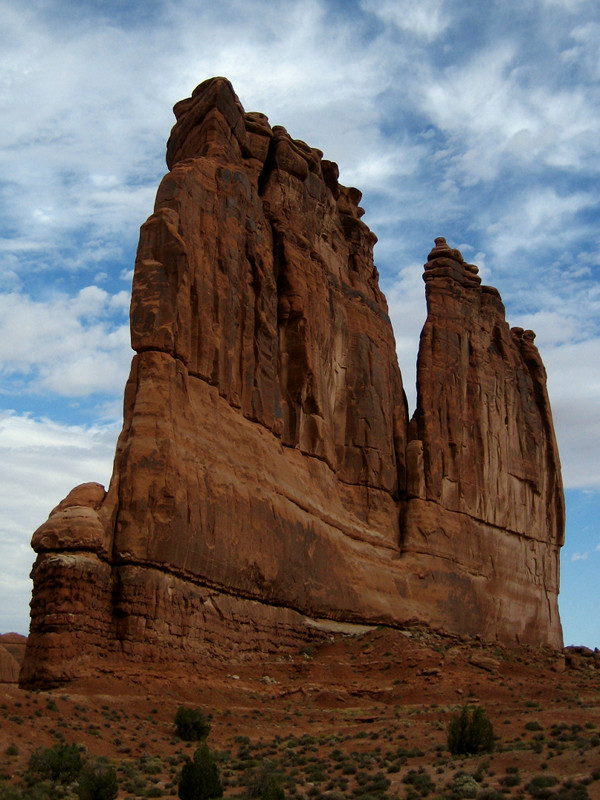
[(267, 481)]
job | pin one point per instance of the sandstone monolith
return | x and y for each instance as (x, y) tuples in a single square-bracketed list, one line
[(268, 483)]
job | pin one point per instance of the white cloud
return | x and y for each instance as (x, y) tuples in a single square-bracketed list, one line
[(574, 388), (579, 556), (407, 309), (72, 346), (40, 461), (384, 165), (540, 220), (572, 6), (584, 53), (426, 19), (553, 328), (120, 301), (77, 123), (497, 118)]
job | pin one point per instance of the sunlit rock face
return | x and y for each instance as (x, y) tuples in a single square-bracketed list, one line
[(267, 482)]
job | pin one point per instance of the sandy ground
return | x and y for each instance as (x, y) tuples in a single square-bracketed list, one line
[(357, 716)]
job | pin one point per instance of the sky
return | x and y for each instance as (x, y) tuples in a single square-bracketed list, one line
[(477, 121)]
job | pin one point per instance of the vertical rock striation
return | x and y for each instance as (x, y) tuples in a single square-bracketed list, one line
[(267, 480)]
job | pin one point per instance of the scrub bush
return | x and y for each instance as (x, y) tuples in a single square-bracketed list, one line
[(200, 777), (470, 732), (191, 725)]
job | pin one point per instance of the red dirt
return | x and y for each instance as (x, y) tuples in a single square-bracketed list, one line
[(365, 696)]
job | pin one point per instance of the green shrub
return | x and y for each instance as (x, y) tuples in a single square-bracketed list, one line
[(97, 782), (470, 732), (265, 783), (420, 781), (533, 725), (191, 725), (60, 764), (376, 786), (539, 786), (465, 786), (200, 777), (570, 790), (8, 792), (271, 789), (512, 778)]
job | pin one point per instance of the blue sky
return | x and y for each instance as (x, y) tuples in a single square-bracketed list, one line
[(475, 121)]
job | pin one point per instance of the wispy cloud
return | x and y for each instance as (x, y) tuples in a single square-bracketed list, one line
[(579, 556), (427, 19)]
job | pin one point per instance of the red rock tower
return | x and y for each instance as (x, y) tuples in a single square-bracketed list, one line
[(484, 488), (267, 480)]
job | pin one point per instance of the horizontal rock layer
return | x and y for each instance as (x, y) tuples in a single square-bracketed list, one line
[(267, 481)]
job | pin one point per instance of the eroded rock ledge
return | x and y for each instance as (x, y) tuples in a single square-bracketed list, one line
[(267, 478)]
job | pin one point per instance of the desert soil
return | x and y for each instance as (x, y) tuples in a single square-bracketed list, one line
[(362, 716)]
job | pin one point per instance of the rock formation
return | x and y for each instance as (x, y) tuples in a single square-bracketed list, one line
[(12, 651), (485, 489), (267, 482)]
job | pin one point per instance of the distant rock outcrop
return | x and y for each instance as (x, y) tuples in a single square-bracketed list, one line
[(267, 481), (12, 651)]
